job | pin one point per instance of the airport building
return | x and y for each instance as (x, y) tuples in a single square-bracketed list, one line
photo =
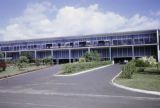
[(111, 46)]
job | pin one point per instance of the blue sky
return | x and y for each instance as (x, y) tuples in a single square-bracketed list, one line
[(125, 15)]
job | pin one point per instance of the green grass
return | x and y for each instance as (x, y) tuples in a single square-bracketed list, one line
[(78, 66), (12, 70), (142, 81)]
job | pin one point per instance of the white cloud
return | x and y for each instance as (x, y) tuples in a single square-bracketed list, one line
[(155, 13), (45, 20)]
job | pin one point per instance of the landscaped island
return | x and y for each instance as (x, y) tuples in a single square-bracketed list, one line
[(88, 61), (143, 73)]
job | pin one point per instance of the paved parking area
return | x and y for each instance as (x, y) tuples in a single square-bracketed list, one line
[(90, 90)]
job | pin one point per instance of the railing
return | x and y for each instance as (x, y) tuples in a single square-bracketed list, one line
[(76, 44)]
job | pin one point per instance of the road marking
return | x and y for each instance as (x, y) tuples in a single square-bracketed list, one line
[(33, 104), (51, 93)]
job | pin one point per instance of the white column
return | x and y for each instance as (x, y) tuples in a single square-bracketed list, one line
[(69, 55), (89, 49), (158, 52), (52, 53), (19, 53), (35, 54)]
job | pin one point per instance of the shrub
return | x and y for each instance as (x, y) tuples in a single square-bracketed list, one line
[(141, 63), (146, 62), (29, 55), (128, 70), (22, 62), (140, 69), (82, 59), (79, 66), (48, 61), (92, 56), (23, 59), (37, 62), (1, 55), (152, 61)]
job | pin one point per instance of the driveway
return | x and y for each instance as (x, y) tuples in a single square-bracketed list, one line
[(90, 90)]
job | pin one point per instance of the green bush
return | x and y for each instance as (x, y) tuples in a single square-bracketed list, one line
[(92, 56), (82, 59), (141, 63), (22, 62), (38, 62), (75, 67), (146, 62), (128, 70), (1, 55), (23, 59), (48, 60), (29, 55), (140, 69)]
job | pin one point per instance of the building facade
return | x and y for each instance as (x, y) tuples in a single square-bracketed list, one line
[(110, 46)]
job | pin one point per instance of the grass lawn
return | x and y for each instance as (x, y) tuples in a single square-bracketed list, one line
[(13, 70), (78, 67), (142, 81)]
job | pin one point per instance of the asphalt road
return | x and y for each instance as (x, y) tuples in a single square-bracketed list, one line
[(42, 89)]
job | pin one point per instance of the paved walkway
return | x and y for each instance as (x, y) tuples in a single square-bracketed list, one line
[(90, 90)]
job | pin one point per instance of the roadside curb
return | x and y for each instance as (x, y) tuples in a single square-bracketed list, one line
[(22, 73), (133, 89), (82, 72)]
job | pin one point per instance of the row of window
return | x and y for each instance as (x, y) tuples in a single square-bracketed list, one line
[(104, 53), (146, 39)]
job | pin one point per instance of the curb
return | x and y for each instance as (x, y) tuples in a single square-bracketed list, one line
[(22, 73), (133, 89), (82, 72)]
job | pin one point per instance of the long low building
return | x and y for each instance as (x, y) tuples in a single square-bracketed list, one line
[(111, 46)]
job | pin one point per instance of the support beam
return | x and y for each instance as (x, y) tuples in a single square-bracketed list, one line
[(52, 54), (20, 53), (158, 52), (89, 49), (35, 54), (69, 55)]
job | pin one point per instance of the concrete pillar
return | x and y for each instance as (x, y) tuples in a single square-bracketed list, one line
[(69, 55), (52, 54), (110, 54), (158, 52), (35, 54), (19, 53), (89, 49)]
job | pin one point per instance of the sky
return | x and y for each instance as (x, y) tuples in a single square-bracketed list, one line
[(31, 19)]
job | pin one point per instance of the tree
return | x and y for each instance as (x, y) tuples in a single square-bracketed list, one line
[(22, 62), (29, 55), (48, 60), (92, 56), (1, 55)]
